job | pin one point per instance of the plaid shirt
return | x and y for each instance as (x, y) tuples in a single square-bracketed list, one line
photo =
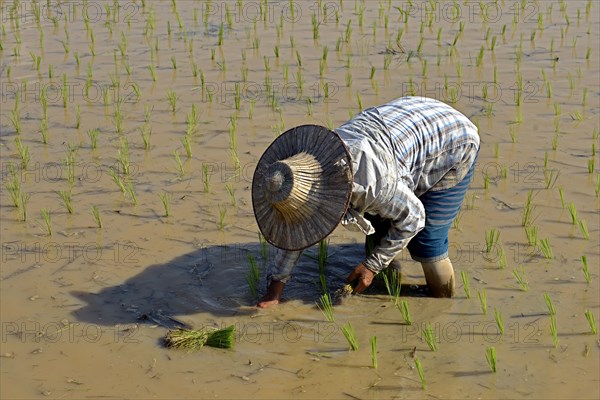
[(399, 150)]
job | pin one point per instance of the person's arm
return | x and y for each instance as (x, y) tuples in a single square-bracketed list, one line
[(279, 272), (407, 216)]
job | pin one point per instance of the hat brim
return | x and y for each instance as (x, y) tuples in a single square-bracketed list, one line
[(329, 199)]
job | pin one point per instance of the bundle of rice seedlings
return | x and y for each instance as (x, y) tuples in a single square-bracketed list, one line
[(194, 339)]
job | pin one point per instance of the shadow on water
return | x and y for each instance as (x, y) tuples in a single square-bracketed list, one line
[(213, 280)]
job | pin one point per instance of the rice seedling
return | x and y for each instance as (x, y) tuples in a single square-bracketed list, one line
[(373, 342), (166, 202), (491, 239), (93, 135), (554, 330), (231, 192), (591, 321), (23, 153), (527, 217), (464, 276), (14, 185), (573, 212), (521, 278), (532, 235), (172, 99), (252, 276), (562, 197), (586, 270), (499, 321), (222, 213), (550, 177), (490, 356), (47, 220), (430, 337), (131, 193), (591, 162), (392, 280), (179, 163), (117, 179), (326, 306), (405, 311), (185, 140), (206, 172), (189, 339), (350, 336), (66, 197), (322, 255), (24, 200), (123, 156), (420, 371), (549, 304), (546, 249), (583, 228), (483, 300), (97, 217)]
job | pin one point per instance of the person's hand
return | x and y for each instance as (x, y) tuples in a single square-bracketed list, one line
[(273, 295), (364, 276)]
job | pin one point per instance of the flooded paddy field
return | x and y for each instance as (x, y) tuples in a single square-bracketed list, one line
[(129, 133)]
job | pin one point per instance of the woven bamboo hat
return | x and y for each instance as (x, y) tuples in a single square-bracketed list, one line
[(301, 187)]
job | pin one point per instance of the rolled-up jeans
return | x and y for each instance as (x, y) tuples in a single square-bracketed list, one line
[(441, 208)]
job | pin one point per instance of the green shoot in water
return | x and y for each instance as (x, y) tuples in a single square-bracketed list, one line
[(549, 304), (252, 276), (483, 300), (546, 249), (554, 330), (464, 276), (97, 218), (429, 337), (326, 307), (586, 270), (404, 310), (521, 278), (491, 239), (66, 198), (499, 321), (490, 356), (373, 342), (166, 198), (420, 371), (350, 336), (47, 220), (590, 319)]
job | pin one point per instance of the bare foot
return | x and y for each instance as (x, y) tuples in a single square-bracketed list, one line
[(273, 296)]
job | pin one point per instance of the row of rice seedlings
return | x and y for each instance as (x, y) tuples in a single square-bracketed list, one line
[(252, 276), (464, 276)]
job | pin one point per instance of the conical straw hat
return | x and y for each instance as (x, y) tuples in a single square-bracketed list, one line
[(301, 187)]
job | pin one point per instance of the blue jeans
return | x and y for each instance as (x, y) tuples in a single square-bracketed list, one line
[(441, 208)]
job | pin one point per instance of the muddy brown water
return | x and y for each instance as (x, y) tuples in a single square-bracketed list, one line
[(83, 310)]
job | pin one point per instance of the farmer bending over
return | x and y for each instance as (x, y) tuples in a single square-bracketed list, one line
[(396, 172)]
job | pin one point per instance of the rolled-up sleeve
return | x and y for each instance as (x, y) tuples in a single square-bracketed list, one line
[(407, 216)]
